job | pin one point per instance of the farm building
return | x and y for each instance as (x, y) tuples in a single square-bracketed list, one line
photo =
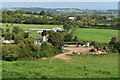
[(37, 42), (8, 41), (40, 30), (44, 39), (74, 43), (77, 43), (57, 29), (72, 18)]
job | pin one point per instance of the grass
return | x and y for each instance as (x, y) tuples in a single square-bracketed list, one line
[(98, 35), (35, 35), (26, 26), (82, 66)]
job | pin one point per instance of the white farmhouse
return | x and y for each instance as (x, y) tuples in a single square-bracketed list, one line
[(57, 29), (72, 18), (39, 32), (8, 41), (45, 38)]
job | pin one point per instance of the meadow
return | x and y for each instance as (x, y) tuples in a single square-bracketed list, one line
[(26, 26), (35, 15), (81, 66), (97, 35)]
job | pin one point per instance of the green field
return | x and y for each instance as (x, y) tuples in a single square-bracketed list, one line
[(82, 66), (98, 35), (35, 35), (28, 15), (26, 26)]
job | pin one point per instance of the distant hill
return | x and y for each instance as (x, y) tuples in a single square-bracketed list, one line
[(65, 10)]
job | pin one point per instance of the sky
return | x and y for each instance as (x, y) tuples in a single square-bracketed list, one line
[(60, 0), (79, 5)]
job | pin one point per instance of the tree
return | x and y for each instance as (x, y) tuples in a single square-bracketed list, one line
[(16, 30), (26, 35), (47, 53), (43, 13), (75, 38), (20, 11), (18, 37), (29, 12), (8, 36), (114, 44), (10, 52), (56, 41), (70, 26), (35, 13), (68, 37), (7, 30), (27, 48)]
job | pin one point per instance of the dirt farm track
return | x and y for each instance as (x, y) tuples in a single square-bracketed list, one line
[(71, 50)]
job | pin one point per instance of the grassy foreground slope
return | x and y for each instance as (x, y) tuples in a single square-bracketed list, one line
[(82, 66), (98, 35)]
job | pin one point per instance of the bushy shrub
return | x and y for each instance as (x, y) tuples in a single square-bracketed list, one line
[(114, 45), (56, 39), (27, 48), (10, 52), (46, 50)]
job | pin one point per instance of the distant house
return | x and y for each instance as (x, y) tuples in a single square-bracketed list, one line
[(72, 18), (109, 18), (57, 29), (37, 42), (8, 41), (27, 31), (44, 39), (39, 32)]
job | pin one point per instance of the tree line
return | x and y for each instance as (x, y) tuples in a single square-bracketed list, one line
[(45, 17)]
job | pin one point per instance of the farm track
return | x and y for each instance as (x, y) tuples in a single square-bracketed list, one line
[(71, 50)]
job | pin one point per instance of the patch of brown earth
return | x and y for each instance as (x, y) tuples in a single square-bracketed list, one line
[(71, 51)]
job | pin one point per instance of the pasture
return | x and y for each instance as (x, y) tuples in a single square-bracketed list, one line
[(26, 26), (28, 15), (98, 35), (81, 66)]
